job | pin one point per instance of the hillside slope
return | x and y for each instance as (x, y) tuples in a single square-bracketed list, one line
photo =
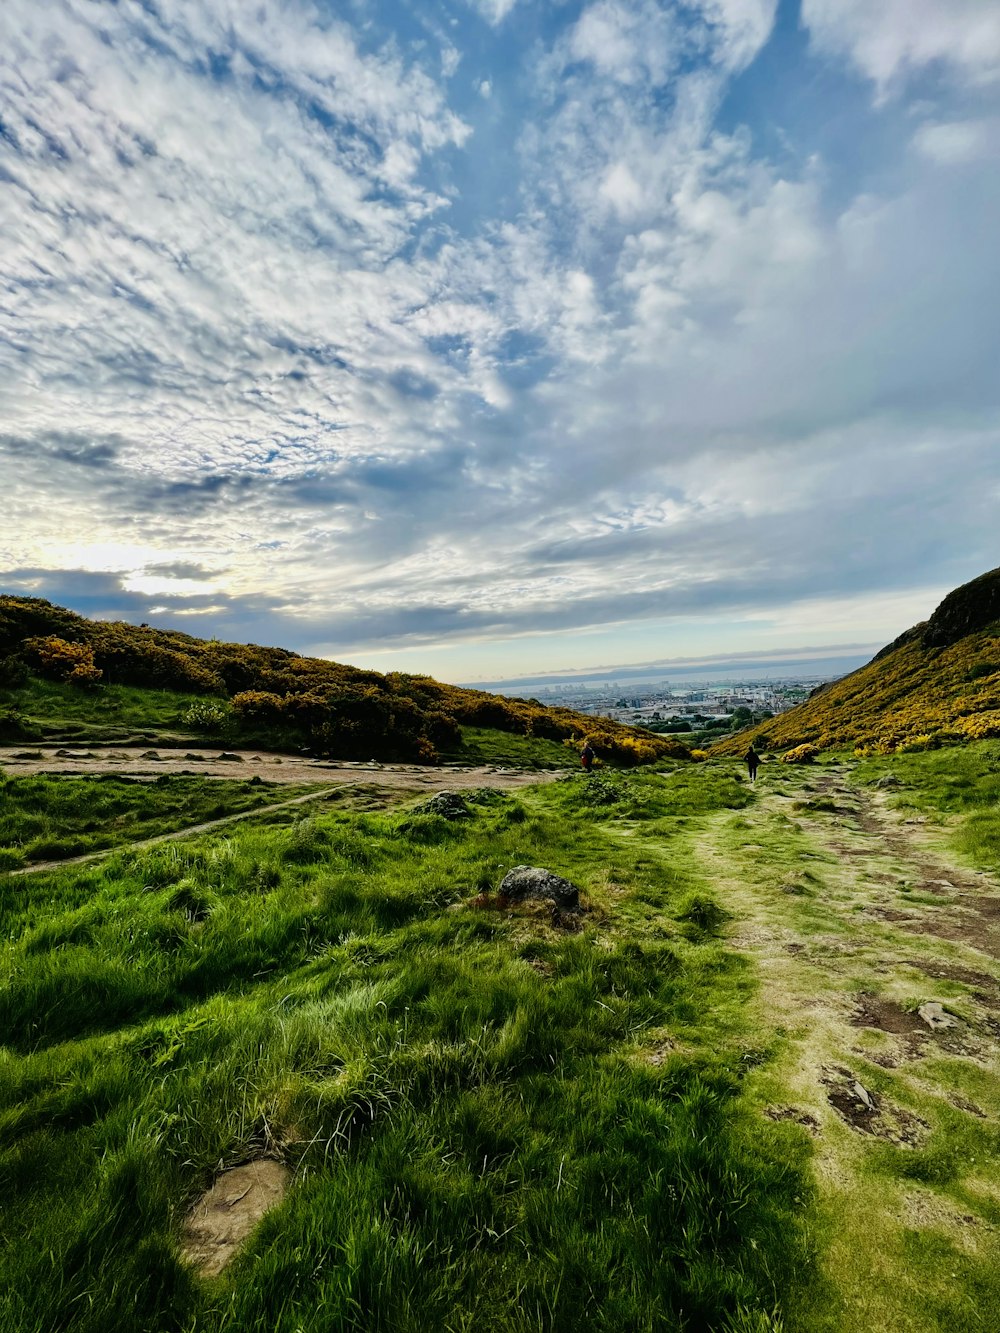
[(277, 696), (936, 684)]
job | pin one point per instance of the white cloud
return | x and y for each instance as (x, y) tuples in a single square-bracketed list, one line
[(890, 38), (493, 11), (958, 142), (742, 28), (269, 320), (629, 43)]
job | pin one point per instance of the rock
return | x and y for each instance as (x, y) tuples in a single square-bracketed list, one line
[(447, 804), (231, 758), (863, 1095), (888, 780), (934, 1016), (151, 754), (536, 882)]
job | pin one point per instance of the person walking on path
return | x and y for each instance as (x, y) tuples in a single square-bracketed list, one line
[(587, 757), (753, 760)]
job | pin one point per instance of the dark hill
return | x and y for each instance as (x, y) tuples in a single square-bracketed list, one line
[(938, 683), (287, 699)]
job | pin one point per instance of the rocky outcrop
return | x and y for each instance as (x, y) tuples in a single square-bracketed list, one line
[(971, 607)]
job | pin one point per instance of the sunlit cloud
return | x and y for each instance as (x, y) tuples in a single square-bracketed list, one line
[(499, 328)]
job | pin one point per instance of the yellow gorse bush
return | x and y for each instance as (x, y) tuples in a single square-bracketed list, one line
[(913, 697)]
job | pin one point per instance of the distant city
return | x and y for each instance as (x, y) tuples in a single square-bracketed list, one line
[(695, 703)]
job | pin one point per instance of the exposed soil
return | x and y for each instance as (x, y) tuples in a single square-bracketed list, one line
[(880, 987), (795, 1113), (139, 762), (331, 779), (869, 1114), (887, 1016), (222, 1219)]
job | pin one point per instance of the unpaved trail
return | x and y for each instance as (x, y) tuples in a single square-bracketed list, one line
[(149, 762), (399, 780), (880, 988)]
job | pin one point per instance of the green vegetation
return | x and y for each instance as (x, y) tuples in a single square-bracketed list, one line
[(46, 710), (495, 1122), (962, 782), (479, 745), (938, 684), (269, 696), (48, 818), (507, 1116)]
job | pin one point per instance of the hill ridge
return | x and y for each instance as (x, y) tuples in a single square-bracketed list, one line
[(279, 697), (937, 683)]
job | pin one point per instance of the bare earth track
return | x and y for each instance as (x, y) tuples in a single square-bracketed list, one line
[(147, 765), (878, 957)]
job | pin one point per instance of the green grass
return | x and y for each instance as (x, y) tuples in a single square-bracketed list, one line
[(494, 1123), (961, 784), (48, 818), (52, 711), (508, 750)]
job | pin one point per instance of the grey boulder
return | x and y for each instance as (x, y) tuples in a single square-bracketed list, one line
[(536, 882), (447, 804)]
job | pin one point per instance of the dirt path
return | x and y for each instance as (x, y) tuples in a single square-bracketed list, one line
[(136, 762), (880, 985), (398, 779)]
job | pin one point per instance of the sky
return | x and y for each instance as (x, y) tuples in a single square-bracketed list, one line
[(490, 338)]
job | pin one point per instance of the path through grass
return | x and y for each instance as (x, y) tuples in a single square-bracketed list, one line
[(494, 1121), (858, 911)]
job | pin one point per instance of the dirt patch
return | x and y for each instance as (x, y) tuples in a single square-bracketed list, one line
[(804, 1118), (874, 1012), (867, 1113), (950, 972), (135, 762), (659, 1053), (224, 1216), (970, 1107), (958, 930)]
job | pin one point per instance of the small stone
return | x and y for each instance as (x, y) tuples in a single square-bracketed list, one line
[(231, 758), (863, 1095)]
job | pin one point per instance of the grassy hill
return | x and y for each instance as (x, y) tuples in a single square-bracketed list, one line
[(57, 667), (706, 1101), (937, 684), (748, 1087)]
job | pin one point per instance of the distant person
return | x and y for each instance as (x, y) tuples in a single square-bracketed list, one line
[(587, 757), (753, 760)]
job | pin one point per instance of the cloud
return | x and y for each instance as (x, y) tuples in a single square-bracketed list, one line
[(894, 38), (958, 142), (308, 340), (493, 11)]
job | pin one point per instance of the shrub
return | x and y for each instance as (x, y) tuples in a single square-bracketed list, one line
[(802, 754), (207, 716), (14, 726), (58, 659)]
